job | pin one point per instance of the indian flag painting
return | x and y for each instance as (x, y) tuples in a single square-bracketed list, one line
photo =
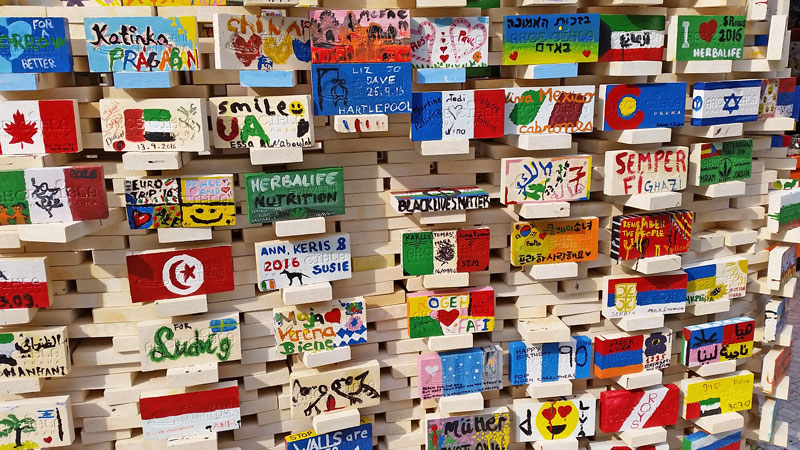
[(151, 125), (631, 37)]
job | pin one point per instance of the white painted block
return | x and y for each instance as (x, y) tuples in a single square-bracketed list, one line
[(647, 436), (301, 227), (727, 189), (640, 379), (655, 264), (539, 141), (557, 271), (193, 375), (17, 316), (446, 280), (262, 156), (461, 403), (654, 201), (626, 68), (549, 389), (366, 123), (335, 421), (20, 386), (326, 357), (310, 293), (170, 235), (702, 309), (437, 148), (181, 306), (721, 66), (206, 441), (449, 342), (717, 368), (436, 217), (642, 322), (152, 160), (720, 423), (641, 135), (558, 444), (712, 131), (542, 210)]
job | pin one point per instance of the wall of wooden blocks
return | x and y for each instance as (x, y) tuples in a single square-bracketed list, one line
[(449, 224)]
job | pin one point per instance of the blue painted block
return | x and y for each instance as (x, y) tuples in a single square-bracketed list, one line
[(142, 80), (761, 40), (18, 81), (433, 76), (363, 88), (272, 78), (651, 105), (796, 103), (34, 45), (544, 71)]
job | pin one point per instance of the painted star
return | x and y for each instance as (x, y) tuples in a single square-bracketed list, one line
[(732, 107), (188, 272)]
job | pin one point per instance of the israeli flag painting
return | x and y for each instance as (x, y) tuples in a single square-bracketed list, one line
[(723, 102)]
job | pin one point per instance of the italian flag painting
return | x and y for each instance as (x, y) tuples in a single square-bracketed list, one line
[(631, 38)]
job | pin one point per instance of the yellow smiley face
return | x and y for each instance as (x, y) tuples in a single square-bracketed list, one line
[(297, 108), (557, 420), (203, 215)]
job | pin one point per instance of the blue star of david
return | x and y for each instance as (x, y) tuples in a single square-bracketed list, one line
[(732, 107)]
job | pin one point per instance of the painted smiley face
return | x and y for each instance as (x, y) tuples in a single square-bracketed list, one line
[(297, 108), (557, 420), (201, 215)]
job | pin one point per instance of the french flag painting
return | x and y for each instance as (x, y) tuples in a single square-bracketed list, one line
[(722, 102)]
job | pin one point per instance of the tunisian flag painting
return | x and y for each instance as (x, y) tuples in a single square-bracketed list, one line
[(180, 273)]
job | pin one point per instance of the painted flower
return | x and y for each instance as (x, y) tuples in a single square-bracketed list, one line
[(477, 57), (354, 323), (353, 308), (655, 344), (718, 292)]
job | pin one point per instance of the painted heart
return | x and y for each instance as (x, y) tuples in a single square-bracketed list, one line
[(707, 30), (247, 50), (424, 34), (48, 439), (586, 53), (225, 189), (430, 370), (513, 55), (542, 235), (444, 58), (564, 411), (465, 38), (549, 413), (333, 316), (447, 317), (140, 218)]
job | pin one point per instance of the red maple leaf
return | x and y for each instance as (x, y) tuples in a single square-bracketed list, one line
[(21, 131)]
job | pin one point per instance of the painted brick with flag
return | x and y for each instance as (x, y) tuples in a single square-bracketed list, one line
[(442, 115), (178, 273), (173, 416), (39, 126), (721, 102), (631, 37), (623, 410), (151, 124)]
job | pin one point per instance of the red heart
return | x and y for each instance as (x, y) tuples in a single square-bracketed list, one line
[(333, 316), (563, 411), (513, 56), (707, 30), (542, 236), (549, 413), (444, 58), (586, 53), (140, 218), (447, 317), (225, 189), (48, 439), (444, 40), (247, 50)]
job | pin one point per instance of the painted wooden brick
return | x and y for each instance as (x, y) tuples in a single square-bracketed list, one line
[(40, 353), (635, 106), (702, 38), (616, 355), (364, 88), (159, 275), (23, 283), (554, 241), (459, 372), (35, 45), (491, 430), (626, 37), (548, 420), (720, 162), (456, 115), (549, 110), (638, 409), (554, 361), (262, 122), (40, 422), (637, 236), (280, 263), (718, 341), (315, 392), (319, 327), (354, 438), (445, 251), (776, 316), (546, 38), (442, 199), (644, 295), (700, 440), (34, 127), (777, 98), (537, 180), (722, 279), (630, 172), (350, 36), (775, 368), (301, 194), (703, 397), (722, 102), (249, 42), (781, 265), (452, 311), (449, 42), (783, 213), (192, 413)]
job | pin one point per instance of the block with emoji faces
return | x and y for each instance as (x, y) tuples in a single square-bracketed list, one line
[(566, 417)]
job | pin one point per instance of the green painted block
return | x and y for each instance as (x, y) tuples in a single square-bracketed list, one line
[(301, 194)]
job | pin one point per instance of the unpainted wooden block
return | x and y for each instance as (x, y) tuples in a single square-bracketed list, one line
[(301, 227), (549, 389), (449, 342), (646, 436), (171, 235), (718, 368), (721, 423), (334, 421), (323, 358), (640, 379), (309, 293), (461, 403)]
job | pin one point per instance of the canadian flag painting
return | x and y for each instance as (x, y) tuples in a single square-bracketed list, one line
[(623, 410), (30, 127), (179, 273)]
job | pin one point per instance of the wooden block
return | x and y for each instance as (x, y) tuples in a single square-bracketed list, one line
[(152, 160), (721, 66), (550, 389), (538, 331), (181, 306), (335, 421), (543, 210), (172, 235), (207, 441), (17, 316), (640, 379), (313, 225), (48, 419), (655, 201), (640, 322), (706, 308), (449, 342), (557, 271), (436, 217), (438, 148), (638, 136), (267, 156), (309, 293), (720, 423), (366, 123), (461, 403), (646, 436), (719, 190), (718, 368), (20, 386), (193, 375), (654, 264), (445, 280), (539, 141), (627, 68), (559, 444), (323, 358), (712, 131)]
